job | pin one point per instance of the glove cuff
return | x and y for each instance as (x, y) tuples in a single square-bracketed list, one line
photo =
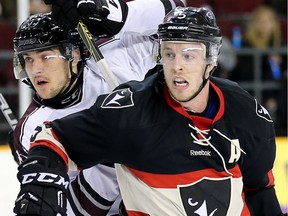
[(43, 171)]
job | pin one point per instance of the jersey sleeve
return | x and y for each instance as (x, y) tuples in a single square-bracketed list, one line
[(86, 138), (21, 134), (257, 168), (144, 16), (95, 190)]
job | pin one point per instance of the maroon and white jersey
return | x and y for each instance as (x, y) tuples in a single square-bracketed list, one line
[(129, 54)]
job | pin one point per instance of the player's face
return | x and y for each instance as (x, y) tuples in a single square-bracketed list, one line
[(48, 71), (184, 65)]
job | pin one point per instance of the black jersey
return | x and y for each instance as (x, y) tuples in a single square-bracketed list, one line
[(172, 163)]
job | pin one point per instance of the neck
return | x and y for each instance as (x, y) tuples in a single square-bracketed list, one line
[(199, 103)]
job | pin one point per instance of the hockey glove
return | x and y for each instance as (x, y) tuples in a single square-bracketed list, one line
[(67, 13), (64, 13), (94, 14), (107, 19), (44, 184)]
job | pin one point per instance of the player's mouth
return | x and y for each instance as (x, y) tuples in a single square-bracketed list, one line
[(40, 82), (180, 83)]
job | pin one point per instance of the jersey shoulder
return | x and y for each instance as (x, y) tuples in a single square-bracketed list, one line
[(128, 94), (243, 110)]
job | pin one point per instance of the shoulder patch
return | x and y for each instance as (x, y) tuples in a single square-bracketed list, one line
[(262, 112), (121, 98)]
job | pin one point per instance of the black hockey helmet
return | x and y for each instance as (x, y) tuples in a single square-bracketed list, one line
[(40, 32), (193, 25)]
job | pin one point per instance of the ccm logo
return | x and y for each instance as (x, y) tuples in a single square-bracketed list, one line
[(45, 178)]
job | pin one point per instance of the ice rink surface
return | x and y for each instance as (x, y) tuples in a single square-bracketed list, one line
[(9, 186)]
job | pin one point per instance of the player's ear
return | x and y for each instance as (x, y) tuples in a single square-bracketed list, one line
[(76, 56), (210, 67)]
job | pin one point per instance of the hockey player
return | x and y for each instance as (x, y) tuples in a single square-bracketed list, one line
[(184, 142), (51, 61)]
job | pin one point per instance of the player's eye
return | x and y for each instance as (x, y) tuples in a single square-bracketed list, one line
[(27, 59), (168, 56), (188, 56)]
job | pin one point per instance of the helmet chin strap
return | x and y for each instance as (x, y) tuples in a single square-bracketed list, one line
[(74, 76), (205, 80)]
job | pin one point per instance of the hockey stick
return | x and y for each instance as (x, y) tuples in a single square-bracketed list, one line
[(97, 55), (7, 112)]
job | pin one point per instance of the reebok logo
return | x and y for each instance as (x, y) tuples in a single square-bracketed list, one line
[(200, 153)]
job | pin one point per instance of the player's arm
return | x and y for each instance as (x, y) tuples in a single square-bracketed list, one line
[(64, 141), (144, 16), (257, 173), (43, 176), (106, 18), (102, 17)]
